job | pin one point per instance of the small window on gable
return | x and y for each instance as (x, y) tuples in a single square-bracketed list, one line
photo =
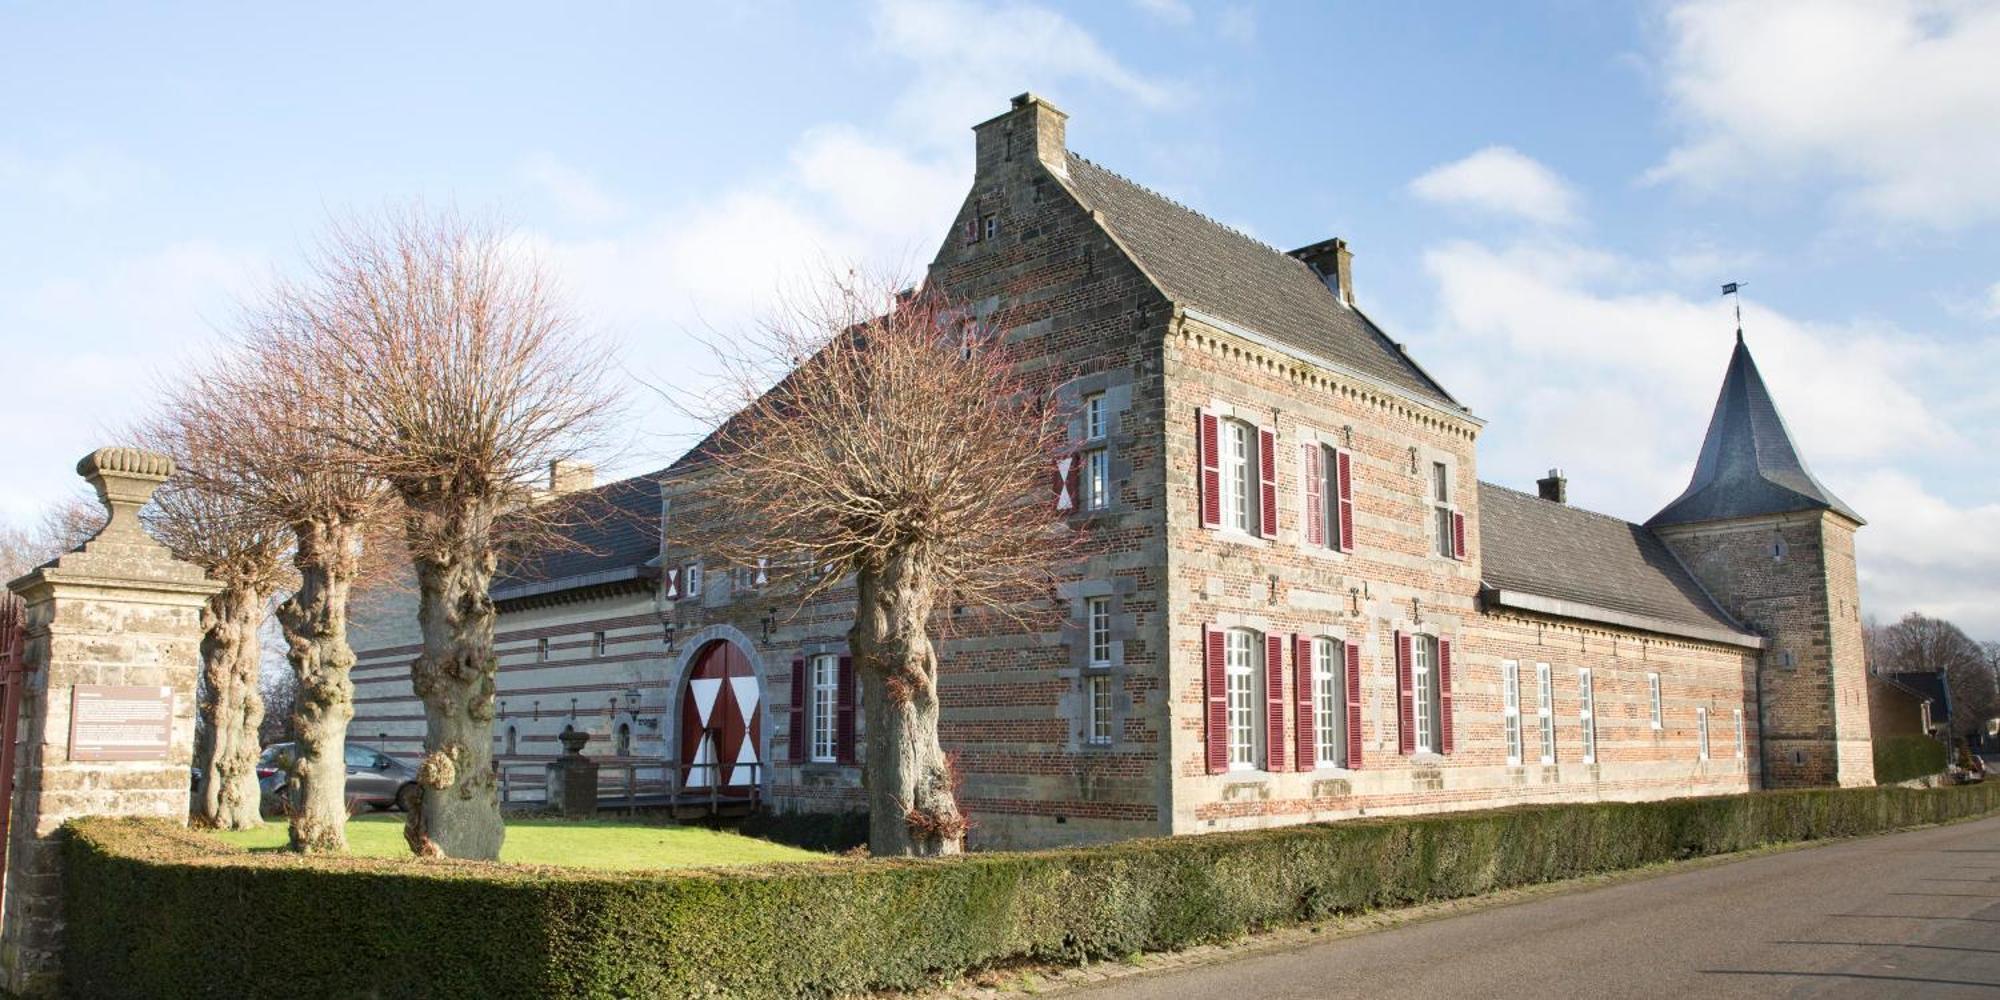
[(989, 226), (1093, 416)]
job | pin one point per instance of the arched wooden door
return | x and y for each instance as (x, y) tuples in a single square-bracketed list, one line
[(722, 722)]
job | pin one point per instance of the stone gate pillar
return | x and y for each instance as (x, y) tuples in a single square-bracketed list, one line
[(107, 712)]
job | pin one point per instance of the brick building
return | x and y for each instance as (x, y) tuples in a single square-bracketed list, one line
[(1298, 602)]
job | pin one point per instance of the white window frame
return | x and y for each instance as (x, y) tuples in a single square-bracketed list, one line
[(1586, 713), (1329, 499), (1510, 708), (1739, 734), (1238, 465), (598, 643), (1097, 709), (1097, 631), (1093, 417), (1545, 710), (1447, 543), (989, 225), (1329, 679), (1701, 730), (1424, 692), (1096, 479), (542, 650), (823, 709), (1242, 681), (691, 578), (1653, 700)]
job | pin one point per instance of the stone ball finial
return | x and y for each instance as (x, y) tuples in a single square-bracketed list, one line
[(125, 479)]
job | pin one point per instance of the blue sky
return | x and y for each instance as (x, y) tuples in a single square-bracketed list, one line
[(1543, 199)]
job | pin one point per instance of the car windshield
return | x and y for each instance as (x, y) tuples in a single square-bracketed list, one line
[(271, 752), (361, 757)]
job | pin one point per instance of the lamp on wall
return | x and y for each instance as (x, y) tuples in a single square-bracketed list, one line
[(770, 618), (667, 630)]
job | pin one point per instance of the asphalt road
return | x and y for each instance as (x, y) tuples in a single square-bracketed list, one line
[(1909, 914)]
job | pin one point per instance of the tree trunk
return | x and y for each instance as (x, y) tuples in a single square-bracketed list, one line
[(232, 710), (459, 794), (912, 798), (314, 620)]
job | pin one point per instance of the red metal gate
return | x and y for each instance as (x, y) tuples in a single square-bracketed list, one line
[(13, 675)]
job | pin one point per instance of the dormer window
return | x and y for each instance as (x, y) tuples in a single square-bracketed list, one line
[(989, 226)]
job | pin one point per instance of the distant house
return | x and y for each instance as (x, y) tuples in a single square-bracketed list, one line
[(1909, 703)]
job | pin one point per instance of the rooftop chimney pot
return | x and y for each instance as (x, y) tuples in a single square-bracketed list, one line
[(1555, 488), (1334, 263)]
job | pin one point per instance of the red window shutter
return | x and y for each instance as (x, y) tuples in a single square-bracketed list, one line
[(1065, 484), (1274, 702), (1457, 535), (1218, 700), (1267, 481), (1208, 442), (1346, 504), (673, 583), (1353, 705), (1315, 499), (1306, 738), (972, 230), (1406, 701), (1444, 695), (843, 727), (797, 737)]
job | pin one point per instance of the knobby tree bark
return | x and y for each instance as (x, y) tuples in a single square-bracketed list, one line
[(912, 794), (459, 810), (233, 708), (314, 620)]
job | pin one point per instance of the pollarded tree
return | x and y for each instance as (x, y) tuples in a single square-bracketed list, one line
[(262, 415), (464, 376), (242, 547), (908, 450)]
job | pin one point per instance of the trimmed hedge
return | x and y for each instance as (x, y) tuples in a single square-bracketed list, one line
[(154, 910), (1902, 758)]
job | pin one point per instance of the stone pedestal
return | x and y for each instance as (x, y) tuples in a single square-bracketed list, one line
[(573, 779), (119, 618)]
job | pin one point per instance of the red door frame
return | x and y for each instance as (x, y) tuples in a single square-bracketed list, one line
[(727, 728)]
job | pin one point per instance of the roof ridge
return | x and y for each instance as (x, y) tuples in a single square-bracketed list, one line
[(1189, 209), (1567, 506)]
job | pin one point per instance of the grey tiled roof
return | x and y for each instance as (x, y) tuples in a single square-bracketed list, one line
[(610, 527), (1201, 263), (1555, 551), (1748, 465), (1926, 684)]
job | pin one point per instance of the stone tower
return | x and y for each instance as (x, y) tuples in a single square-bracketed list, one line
[(1776, 549)]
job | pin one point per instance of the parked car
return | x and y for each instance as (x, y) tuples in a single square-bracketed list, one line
[(374, 779)]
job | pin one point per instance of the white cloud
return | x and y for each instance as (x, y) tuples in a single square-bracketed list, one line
[(77, 180), (969, 57), (1501, 181), (1578, 360), (1897, 98), (575, 193), (1175, 12)]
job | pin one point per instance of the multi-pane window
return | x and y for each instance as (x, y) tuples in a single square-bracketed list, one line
[(825, 707), (1424, 689), (1097, 709), (989, 226), (1545, 711), (1239, 475), (1097, 617), (1701, 731), (1739, 734), (1510, 707), (1441, 508), (693, 577), (1586, 713), (597, 644), (1329, 701), (1329, 491), (1096, 461), (1240, 678), (1653, 697), (542, 650)]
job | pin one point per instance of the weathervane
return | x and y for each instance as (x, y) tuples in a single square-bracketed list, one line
[(1735, 288)]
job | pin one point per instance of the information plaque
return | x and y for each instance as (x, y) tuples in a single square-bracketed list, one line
[(110, 722)]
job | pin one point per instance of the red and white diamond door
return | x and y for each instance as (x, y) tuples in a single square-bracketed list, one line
[(722, 722)]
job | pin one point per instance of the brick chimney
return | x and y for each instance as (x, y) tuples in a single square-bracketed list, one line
[(1033, 127), (1555, 488), (567, 475), (1334, 263)]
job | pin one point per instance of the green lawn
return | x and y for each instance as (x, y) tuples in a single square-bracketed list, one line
[(583, 844)]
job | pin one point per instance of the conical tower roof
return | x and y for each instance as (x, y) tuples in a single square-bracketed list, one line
[(1749, 465)]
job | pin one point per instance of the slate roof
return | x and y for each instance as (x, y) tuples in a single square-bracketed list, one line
[(1562, 553), (1926, 684), (1748, 465), (1204, 264), (606, 529)]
